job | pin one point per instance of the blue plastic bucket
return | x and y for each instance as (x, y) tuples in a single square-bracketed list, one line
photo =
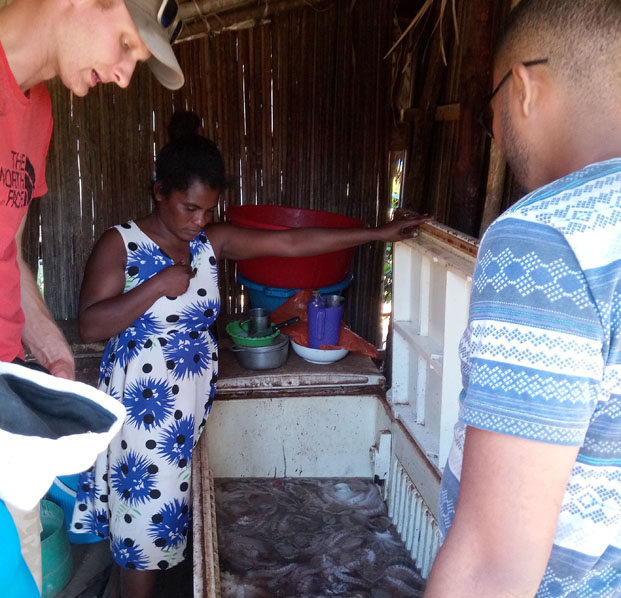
[(56, 558), (16, 581), (63, 492), (273, 297)]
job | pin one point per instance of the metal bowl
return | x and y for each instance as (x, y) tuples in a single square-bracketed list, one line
[(263, 358)]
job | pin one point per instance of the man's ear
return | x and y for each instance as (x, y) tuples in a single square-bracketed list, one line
[(157, 191), (524, 86)]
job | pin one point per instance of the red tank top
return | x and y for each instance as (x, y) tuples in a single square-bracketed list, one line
[(25, 131)]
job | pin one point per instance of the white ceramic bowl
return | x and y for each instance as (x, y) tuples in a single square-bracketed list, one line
[(318, 355)]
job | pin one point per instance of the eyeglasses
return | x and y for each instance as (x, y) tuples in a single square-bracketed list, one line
[(486, 115), (167, 13)]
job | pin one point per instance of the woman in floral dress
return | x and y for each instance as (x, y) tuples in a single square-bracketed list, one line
[(151, 287)]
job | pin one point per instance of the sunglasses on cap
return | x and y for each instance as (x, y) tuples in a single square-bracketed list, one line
[(175, 30), (167, 18), (167, 13)]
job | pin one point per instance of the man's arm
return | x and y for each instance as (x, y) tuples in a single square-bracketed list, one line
[(40, 335), (509, 501)]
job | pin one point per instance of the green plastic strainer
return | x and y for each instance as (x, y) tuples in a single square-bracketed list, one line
[(239, 333)]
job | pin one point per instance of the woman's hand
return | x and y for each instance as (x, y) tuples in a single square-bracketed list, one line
[(105, 309), (175, 280), (398, 230)]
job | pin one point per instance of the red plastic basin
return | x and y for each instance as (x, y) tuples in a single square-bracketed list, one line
[(293, 272)]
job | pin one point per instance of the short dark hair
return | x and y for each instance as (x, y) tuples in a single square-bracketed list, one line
[(580, 38), (188, 157)]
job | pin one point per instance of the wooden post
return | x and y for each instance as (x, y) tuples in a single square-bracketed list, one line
[(419, 156), (470, 163), (495, 188), (495, 178)]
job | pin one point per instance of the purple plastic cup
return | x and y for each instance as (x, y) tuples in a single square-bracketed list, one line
[(324, 323)]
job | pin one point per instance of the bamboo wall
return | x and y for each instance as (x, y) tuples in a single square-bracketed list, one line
[(299, 107)]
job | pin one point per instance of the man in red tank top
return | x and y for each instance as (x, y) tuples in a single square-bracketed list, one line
[(84, 42)]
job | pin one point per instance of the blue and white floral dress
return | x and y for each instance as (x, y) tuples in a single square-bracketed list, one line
[(164, 370)]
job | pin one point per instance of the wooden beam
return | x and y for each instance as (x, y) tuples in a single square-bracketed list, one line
[(497, 173), (468, 182), (247, 15), (495, 188), (429, 72), (448, 112), (445, 113), (191, 10), (400, 137)]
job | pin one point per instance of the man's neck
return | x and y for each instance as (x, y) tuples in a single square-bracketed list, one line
[(590, 144), (24, 33)]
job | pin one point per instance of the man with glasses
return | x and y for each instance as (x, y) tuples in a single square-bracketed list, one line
[(530, 503), (83, 42)]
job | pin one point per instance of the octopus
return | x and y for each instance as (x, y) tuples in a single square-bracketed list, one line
[(309, 538)]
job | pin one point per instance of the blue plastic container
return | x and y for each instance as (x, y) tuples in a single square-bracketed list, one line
[(16, 581), (273, 297), (63, 492)]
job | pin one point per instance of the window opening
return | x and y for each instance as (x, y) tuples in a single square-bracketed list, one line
[(396, 171)]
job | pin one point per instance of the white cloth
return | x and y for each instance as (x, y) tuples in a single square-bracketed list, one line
[(79, 422)]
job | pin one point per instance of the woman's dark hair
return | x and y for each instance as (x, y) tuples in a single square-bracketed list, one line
[(188, 157)]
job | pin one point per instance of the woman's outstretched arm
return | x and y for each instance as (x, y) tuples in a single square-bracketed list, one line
[(238, 243)]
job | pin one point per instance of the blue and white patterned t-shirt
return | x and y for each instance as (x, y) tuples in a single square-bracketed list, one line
[(541, 359)]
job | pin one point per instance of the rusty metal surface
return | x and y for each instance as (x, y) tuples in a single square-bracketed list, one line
[(206, 569), (454, 238), (296, 375)]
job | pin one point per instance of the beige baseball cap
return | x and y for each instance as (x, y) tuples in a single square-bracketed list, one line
[(154, 20)]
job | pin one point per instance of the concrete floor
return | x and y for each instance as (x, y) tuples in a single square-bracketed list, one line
[(92, 564), (95, 577)]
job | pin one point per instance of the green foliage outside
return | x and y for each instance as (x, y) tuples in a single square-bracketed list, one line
[(40, 277), (396, 194), (388, 274)]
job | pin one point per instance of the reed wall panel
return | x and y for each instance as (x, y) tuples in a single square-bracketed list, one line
[(299, 106)]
